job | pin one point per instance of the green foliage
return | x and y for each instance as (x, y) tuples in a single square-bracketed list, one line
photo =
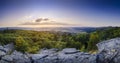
[(93, 40), (32, 41), (20, 44), (100, 35), (5, 39), (33, 49), (59, 45)]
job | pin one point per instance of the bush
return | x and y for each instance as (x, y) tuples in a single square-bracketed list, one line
[(20, 44)]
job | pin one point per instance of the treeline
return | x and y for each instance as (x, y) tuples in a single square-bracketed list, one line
[(102, 34), (32, 41)]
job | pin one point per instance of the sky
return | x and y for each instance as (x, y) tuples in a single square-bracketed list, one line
[(59, 13)]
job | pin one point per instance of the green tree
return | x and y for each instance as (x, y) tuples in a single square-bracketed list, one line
[(60, 45), (94, 39), (21, 44), (83, 38)]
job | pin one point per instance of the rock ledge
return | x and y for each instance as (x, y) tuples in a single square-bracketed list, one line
[(108, 52)]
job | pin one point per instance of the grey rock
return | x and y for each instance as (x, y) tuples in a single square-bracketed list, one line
[(38, 56), (9, 47), (61, 57), (7, 58), (2, 49), (16, 57), (2, 53), (48, 51), (108, 52), (6, 49), (2, 61), (19, 57), (109, 45), (69, 50)]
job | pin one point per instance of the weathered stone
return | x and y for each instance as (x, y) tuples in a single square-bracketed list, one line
[(69, 50), (48, 51), (38, 56), (7, 58), (19, 57), (109, 45), (2, 61), (9, 47), (16, 57), (108, 52), (2, 53)]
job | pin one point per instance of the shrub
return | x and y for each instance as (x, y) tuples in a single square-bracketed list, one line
[(20, 44)]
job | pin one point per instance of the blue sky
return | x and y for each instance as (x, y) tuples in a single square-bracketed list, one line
[(46, 13)]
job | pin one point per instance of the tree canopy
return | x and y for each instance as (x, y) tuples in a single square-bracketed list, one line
[(32, 41)]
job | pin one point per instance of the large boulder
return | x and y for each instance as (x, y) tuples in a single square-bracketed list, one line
[(109, 51), (109, 45)]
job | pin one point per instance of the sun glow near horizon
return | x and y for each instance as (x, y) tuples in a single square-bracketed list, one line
[(60, 13)]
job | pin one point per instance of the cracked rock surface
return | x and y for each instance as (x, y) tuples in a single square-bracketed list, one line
[(108, 52)]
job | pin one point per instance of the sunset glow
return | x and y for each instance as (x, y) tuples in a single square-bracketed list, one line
[(59, 13)]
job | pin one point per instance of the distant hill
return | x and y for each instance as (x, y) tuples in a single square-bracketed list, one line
[(83, 38), (62, 29)]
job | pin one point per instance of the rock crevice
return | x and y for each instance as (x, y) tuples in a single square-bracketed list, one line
[(108, 52)]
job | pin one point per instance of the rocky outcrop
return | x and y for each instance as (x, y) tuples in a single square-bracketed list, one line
[(7, 49), (15, 57), (68, 55), (108, 52)]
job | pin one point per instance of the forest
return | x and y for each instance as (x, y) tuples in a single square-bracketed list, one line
[(32, 41)]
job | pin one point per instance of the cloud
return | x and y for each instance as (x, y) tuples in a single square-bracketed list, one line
[(42, 19), (44, 23), (38, 20), (47, 21), (29, 23)]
